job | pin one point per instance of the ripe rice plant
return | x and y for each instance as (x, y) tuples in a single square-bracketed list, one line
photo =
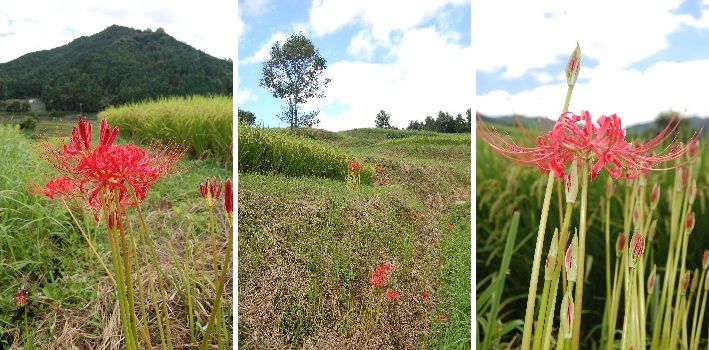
[(202, 122), (273, 151)]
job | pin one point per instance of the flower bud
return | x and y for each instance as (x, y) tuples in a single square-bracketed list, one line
[(705, 259), (651, 280), (692, 193), (706, 281), (695, 282), (651, 231), (567, 315), (550, 263), (570, 259), (573, 66), (684, 283), (689, 224), (636, 216), (637, 246), (571, 183), (654, 196), (620, 244)]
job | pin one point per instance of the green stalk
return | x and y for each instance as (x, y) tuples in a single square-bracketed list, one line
[(576, 336), (88, 240), (531, 294), (696, 337), (615, 300), (608, 249), (218, 298), (127, 271), (539, 329), (563, 237), (143, 326), (188, 296)]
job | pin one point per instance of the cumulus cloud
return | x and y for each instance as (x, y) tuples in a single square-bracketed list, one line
[(429, 73), (26, 27), (264, 51)]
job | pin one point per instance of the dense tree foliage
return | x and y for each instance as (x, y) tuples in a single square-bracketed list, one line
[(444, 123), (246, 117), (382, 120), (293, 72), (112, 67)]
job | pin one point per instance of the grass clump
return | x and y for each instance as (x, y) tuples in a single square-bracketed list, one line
[(204, 123), (274, 151)]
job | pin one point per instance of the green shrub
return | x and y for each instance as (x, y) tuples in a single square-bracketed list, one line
[(274, 151), (28, 123), (204, 123)]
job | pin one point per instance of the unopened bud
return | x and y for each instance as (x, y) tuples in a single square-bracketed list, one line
[(651, 231), (685, 282), (705, 259), (571, 183), (689, 224), (652, 279), (695, 282), (570, 259), (620, 244), (692, 192), (654, 196), (567, 315), (636, 216), (637, 246)]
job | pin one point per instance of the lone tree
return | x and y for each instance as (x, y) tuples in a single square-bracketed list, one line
[(382, 120), (294, 73)]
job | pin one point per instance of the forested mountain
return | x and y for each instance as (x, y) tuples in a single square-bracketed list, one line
[(112, 67)]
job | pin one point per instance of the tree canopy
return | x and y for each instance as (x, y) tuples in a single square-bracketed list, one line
[(382, 120), (444, 123), (294, 73)]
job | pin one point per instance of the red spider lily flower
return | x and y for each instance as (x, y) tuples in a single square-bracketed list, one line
[(570, 259), (425, 294), (637, 246), (620, 244), (114, 221), (705, 259), (60, 186), (604, 145), (228, 197), (210, 191), (689, 224), (107, 135), (354, 167), (392, 294), (651, 280), (567, 315), (654, 196), (21, 298), (380, 275)]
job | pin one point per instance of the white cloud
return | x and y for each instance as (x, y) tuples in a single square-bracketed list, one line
[(208, 25), (542, 77), (384, 17), (636, 96), (245, 95), (519, 36), (361, 45), (264, 52), (255, 7), (429, 73)]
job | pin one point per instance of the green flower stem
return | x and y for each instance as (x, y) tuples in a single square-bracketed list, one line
[(143, 326), (578, 301), (608, 248), (539, 328), (220, 287), (615, 300), (698, 331), (696, 307), (563, 237), (531, 295)]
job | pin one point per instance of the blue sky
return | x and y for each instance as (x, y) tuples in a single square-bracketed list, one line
[(639, 57), (28, 26), (410, 59)]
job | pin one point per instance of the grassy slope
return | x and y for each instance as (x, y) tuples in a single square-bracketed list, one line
[(307, 246), (72, 300)]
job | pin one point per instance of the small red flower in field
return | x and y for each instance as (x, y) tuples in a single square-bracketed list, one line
[(425, 294), (60, 186), (354, 167), (392, 294), (451, 226), (21, 298), (705, 259), (620, 244), (689, 224), (380, 275), (228, 197)]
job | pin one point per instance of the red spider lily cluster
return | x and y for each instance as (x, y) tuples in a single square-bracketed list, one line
[(576, 137), (107, 173), (380, 275), (392, 294), (211, 191), (21, 298), (354, 167)]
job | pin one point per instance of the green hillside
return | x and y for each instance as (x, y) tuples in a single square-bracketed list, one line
[(112, 67)]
